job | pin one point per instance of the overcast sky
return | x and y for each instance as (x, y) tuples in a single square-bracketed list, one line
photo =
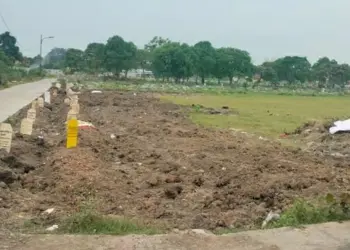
[(268, 29)]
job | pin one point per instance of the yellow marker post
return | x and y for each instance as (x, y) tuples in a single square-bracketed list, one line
[(72, 133)]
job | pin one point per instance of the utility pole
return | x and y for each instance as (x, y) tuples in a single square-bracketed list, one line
[(41, 49)]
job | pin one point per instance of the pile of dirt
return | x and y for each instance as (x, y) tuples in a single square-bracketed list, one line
[(146, 160), (317, 139)]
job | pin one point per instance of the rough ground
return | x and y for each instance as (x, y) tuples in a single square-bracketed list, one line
[(158, 167)]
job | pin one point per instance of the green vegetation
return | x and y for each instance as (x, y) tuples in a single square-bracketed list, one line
[(183, 63), (324, 210), (13, 64), (264, 114), (88, 222)]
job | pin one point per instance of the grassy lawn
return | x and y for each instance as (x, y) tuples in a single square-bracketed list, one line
[(264, 114)]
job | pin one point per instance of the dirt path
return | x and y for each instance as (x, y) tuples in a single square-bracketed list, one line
[(317, 237)]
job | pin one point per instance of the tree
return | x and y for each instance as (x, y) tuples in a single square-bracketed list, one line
[(329, 73), (55, 59), (322, 71), (143, 59), (173, 60), (292, 68), (204, 59), (74, 60), (237, 63), (156, 42), (269, 74), (220, 68), (130, 57), (36, 60), (94, 57), (119, 55), (4, 67), (9, 47)]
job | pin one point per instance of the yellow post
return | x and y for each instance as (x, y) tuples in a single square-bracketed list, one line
[(72, 133)]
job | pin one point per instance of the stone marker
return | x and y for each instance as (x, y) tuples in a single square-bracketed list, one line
[(67, 101), (40, 102), (31, 114), (58, 85), (5, 136), (26, 126), (72, 133), (69, 86), (47, 96), (72, 114), (34, 104), (75, 107), (74, 99)]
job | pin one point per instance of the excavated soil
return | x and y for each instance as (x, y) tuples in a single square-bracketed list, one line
[(146, 160), (317, 139)]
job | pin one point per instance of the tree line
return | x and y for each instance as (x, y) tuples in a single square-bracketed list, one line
[(180, 62)]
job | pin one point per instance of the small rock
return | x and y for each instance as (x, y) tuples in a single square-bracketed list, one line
[(96, 92), (173, 191), (173, 179), (7, 176), (153, 181), (270, 217), (52, 228), (201, 231), (49, 211), (113, 136), (3, 184)]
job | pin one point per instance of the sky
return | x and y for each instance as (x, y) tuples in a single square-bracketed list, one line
[(267, 29)]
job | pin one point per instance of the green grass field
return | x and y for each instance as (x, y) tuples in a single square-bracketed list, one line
[(264, 114)]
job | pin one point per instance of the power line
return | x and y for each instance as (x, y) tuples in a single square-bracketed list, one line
[(4, 21), (7, 27)]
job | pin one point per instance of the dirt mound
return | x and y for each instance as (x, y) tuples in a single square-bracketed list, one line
[(319, 141), (145, 159)]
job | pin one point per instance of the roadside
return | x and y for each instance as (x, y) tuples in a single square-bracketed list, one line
[(322, 236), (19, 96)]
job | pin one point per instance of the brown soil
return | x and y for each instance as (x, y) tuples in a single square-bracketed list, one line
[(319, 141), (157, 167)]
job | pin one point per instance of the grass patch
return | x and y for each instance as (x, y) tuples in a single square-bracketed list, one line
[(88, 222), (264, 114), (303, 213)]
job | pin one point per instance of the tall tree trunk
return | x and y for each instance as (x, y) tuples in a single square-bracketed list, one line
[(126, 74), (203, 80), (231, 79)]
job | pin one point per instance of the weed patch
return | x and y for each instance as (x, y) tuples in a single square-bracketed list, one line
[(89, 222), (325, 210)]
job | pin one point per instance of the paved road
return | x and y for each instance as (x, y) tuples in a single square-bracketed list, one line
[(315, 237), (14, 98)]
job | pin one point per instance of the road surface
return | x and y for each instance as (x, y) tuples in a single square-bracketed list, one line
[(14, 98)]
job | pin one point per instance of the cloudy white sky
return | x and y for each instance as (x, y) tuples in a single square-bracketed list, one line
[(266, 28)]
